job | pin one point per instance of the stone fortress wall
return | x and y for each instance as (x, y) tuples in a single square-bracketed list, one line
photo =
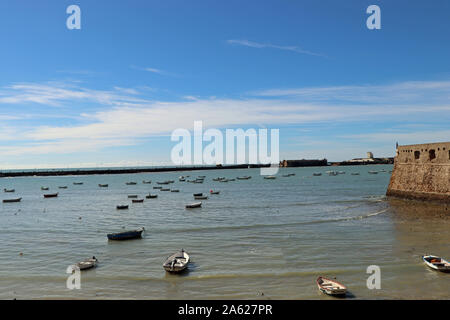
[(421, 171)]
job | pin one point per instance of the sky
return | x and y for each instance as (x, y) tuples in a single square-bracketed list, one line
[(112, 92)]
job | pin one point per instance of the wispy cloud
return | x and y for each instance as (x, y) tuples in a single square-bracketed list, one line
[(156, 70), (259, 45), (124, 116)]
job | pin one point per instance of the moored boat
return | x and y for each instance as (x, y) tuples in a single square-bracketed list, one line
[(201, 197), (316, 174), (103, 185), (12, 200), (164, 189), (9, 190), (51, 195), (214, 192), (177, 262), (373, 172), (87, 263), (331, 287), (194, 205), (131, 183), (243, 178), (174, 190), (436, 263), (132, 196), (44, 188), (157, 187), (147, 182), (78, 183), (122, 207), (62, 187), (151, 196), (126, 235), (270, 177), (137, 200)]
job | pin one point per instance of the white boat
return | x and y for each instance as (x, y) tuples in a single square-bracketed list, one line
[(214, 192), (331, 287), (243, 178), (201, 197), (87, 264), (332, 173), (436, 263), (177, 262), (194, 205)]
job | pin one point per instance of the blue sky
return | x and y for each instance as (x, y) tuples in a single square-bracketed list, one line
[(112, 92)]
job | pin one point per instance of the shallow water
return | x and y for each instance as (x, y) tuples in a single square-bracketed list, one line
[(257, 239)]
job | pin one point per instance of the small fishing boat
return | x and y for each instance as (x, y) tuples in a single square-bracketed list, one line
[(231, 179), (204, 197), (223, 180), (181, 178), (137, 200), (130, 183), (331, 287), (170, 181), (355, 173), (132, 196), (214, 192), (316, 174), (202, 177), (373, 172), (174, 190), (436, 263), (126, 235), (165, 189), (177, 262), (122, 207), (146, 182), (12, 200), (51, 195), (194, 205), (87, 263), (157, 187), (78, 183), (62, 187), (198, 194), (341, 172), (103, 185), (162, 182), (243, 178), (332, 173), (44, 188), (270, 177), (218, 179), (9, 190), (151, 196)]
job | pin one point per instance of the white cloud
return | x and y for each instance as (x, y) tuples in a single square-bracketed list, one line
[(258, 45), (126, 117)]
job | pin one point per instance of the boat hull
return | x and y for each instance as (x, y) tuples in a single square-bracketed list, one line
[(128, 235)]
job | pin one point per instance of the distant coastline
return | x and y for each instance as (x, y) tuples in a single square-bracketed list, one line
[(132, 170)]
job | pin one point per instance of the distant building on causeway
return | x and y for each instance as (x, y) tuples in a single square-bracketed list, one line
[(368, 160), (304, 163), (421, 171)]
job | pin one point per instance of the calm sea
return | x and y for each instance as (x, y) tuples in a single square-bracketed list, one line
[(257, 239)]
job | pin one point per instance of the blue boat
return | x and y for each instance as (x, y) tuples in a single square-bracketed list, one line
[(127, 235)]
